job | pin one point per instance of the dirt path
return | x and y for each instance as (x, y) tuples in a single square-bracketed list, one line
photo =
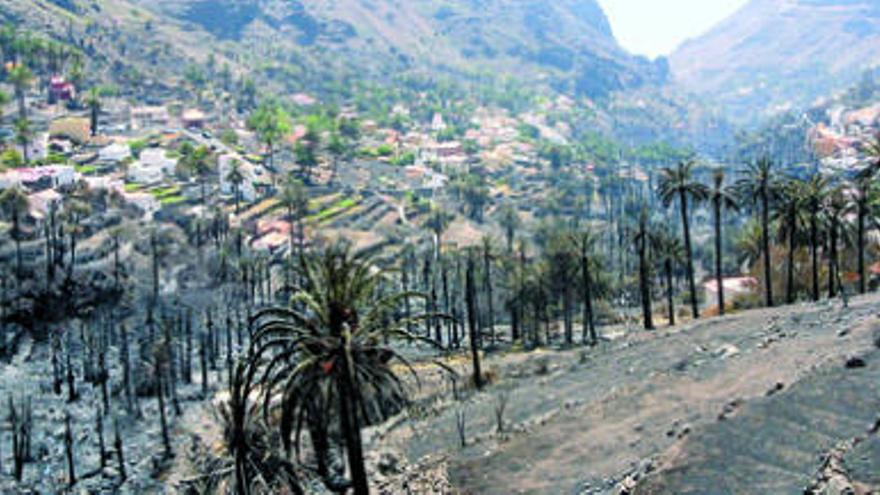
[(588, 425)]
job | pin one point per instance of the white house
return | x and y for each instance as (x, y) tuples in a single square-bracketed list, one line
[(114, 153), (153, 166), (39, 178)]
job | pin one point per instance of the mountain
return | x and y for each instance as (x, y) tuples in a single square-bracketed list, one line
[(375, 53), (774, 55), (566, 43)]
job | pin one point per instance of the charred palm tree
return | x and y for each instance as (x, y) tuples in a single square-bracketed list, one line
[(249, 439), (642, 240), (815, 195), (585, 243), (866, 203), (510, 222), (14, 205), (722, 198), (678, 183), (788, 212), (669, 252), (838, 208), (758, 187)]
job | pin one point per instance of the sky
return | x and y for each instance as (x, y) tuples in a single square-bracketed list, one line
[(657, 27)]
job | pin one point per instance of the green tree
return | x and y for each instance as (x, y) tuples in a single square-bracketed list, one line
[(678, 183), (338, 149), (306, 152), (271, 123)]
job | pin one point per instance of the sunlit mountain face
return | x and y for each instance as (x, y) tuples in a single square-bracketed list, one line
[(778, 54)]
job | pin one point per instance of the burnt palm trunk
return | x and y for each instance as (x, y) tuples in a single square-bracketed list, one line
[(832, 260), (765, 242), (667, 266), (407, 308), (16, 229), (719, 277), (814, 251), (163, 421), (644, 283), (689, 255), (471, 295), (789, 288), (351, 426), (487, 269), (589, 323), (863, 213)]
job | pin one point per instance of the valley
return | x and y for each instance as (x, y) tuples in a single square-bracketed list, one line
[(436, 247)]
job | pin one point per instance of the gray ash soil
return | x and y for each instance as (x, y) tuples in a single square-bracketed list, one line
[(742, 404)]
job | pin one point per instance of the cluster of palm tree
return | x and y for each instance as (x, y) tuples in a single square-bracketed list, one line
[(822, 212)]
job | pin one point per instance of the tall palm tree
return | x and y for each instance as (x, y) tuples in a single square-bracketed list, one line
[(757, 187), (669, 252), (788, 211), (75, 210), (14, 204), (837, 210), (866, 203), (642, 241), (93, 100), (872, 155), (510, 222), (21, 79), (236, 178), (815, 195), (678, 183), (438, 221), (24, 133), (333, 356), (722, 198), (488, 257), (200, 163), (4, 100), (271, 123), (585, 242), (295, 200)]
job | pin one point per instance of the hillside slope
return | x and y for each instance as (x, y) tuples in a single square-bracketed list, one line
[(775, 54), (567, 43)]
